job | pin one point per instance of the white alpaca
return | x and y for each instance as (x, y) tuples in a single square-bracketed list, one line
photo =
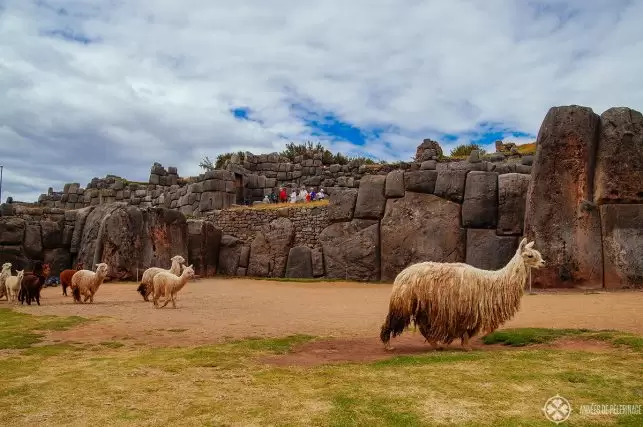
[(6, 272), (447, 301), (86, 282), (13, 284), (169, 285), (146, 287)]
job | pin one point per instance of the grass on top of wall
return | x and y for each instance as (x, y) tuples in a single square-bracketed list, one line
[(275, 206)]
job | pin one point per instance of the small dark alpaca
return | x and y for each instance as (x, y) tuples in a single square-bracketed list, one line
[(32, 284), (66, 275)]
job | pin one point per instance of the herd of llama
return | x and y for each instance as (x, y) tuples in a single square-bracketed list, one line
[(445, 301)]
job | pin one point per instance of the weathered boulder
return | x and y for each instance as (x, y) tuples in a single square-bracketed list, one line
[(428, 150), (229, 251), (450, 185), (352, 250), (81, 218), (420, 227), (269, 249), (12, 230), (128, 238), (512, 193), (52, 233), (33, 241), (341, 205), (559, 215), (370, 197), (619, 157), (420, 181), (299, 263), (317, 259), (204, 240), (480, 205), (622, 228), (428, 165), (394, 184), (489, 251)]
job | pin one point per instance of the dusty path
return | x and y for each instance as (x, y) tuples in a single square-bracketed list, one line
[(212, 310)]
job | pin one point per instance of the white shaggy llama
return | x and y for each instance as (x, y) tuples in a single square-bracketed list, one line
[(86, 282), (13, 284), (169, 285), (6, 272), (147, 287), (447, 301)]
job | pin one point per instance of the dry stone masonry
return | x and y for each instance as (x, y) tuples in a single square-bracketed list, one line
[(580, 197)]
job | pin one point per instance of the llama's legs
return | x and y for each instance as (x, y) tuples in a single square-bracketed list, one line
[(37, 297), (64, 289), (465, 342), (173, 300)]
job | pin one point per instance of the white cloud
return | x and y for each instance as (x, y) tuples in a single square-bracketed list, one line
[(160, 81)]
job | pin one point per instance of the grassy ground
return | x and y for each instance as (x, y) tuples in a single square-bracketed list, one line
[(121, 383)]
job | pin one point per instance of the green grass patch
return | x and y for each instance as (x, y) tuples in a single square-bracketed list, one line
[(19, 330), (529, 336)]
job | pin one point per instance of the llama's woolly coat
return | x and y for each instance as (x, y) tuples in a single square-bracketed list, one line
[(66, 275), (448, 300), (86, 283), (6, 272), (168, 285), (147, 285), (13, 284)]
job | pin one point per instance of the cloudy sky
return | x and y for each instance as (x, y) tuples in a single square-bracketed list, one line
[(96, 87)]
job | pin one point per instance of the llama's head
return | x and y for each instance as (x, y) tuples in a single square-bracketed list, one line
[(188, 271), (101, 269), (79, 266), (530, 256), (6, 266), (21, 274), (178, 258)]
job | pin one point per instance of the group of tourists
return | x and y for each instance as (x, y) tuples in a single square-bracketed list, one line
[(295, 197)]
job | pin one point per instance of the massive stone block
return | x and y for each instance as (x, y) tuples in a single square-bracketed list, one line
[(619, 157), (450, 185), (622, 229), (394, 184), (129, 238), (420, 227), (317, 258), (229, 250), (52, 234), (342, 205), (559, 215), (204, 240), (269, 249), (33, 241), (12, 230), (352, 250), (370, 197), (480, 206), (420, 181), (299, 263), (512, 194), (489, 251)]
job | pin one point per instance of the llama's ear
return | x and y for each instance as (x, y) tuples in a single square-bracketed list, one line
[(530, 245), (523, 242)]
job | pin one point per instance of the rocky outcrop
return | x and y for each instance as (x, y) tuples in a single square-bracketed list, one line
[(559, 214), (489, 251), (428, 150), (409, 234), (269, 249), (128, 238), (619, 158), (622, 230), (352, 250), (341, 205)]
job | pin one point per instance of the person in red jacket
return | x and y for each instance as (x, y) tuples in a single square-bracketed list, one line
[(282, 195)]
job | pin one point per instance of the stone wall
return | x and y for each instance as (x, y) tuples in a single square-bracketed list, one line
[(580, 198)]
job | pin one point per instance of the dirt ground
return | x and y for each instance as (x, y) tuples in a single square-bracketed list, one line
[(213, 310)]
